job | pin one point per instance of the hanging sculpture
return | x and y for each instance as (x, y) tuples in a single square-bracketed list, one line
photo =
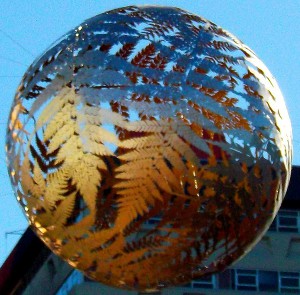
[(149, 147)]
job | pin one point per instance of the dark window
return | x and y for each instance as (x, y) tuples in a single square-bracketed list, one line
[(287, 221), (273, 226), (246, 288), (225, 279), (208, 282), (246, 280), (154, 220), (289, 282), (268, 281)]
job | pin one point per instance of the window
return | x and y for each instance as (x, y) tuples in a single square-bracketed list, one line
[(208, 282), (289, 282), (286, 221), (75, 278), (226, 279), (268, 281), (273, 226), (154, 220), (251, 280), (246, 280)]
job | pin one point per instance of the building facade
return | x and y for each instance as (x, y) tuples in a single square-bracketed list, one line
[(272, 267)]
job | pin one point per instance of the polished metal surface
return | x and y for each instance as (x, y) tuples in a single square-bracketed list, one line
[(148, 147)]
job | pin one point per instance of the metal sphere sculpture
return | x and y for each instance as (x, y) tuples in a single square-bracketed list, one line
[(148, 147)]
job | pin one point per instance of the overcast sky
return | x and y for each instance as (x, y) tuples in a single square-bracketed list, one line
[(270, 27)]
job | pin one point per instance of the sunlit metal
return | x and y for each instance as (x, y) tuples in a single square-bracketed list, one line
[(149, 146)]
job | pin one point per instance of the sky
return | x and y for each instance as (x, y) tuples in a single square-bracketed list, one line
[(27, 28)]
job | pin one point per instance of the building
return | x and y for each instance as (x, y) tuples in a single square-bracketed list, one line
[(272, 267)]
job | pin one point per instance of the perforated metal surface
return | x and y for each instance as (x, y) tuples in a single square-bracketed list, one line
[(149, 146)]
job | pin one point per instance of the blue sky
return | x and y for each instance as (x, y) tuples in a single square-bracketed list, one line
[(270, 27)]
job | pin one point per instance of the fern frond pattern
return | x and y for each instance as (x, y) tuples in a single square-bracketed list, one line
[(148, 147)]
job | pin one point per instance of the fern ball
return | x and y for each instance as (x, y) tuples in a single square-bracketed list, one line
[(149, 147)]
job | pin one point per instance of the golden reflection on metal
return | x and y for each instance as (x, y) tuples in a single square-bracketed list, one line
[(149, 147)]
